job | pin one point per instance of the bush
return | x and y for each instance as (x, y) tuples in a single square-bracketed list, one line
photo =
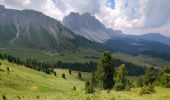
[(79, 75), (63, 75), (165, 80), (89, 87), (55, 73), (70, 71), (8, 69), (147, 89), (139, 82), (74, 88), (4, 97)]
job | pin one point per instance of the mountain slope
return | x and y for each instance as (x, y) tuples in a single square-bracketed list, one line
[(32, 29), (89, 27)]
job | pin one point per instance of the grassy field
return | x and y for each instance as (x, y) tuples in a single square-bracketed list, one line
[(22, 83)]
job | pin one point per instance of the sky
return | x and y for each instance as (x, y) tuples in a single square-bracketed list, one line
[(131, 16)]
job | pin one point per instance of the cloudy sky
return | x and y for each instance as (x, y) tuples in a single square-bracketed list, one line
[(130, 16)]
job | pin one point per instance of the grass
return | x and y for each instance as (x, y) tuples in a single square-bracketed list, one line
[(22, 83)]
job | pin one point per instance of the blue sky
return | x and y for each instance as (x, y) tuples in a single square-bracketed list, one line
[(110, 3), (130, 16)]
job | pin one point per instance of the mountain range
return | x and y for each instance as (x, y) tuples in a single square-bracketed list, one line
[(91, 28), (32, 29)]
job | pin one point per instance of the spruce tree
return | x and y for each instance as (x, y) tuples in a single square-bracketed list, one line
[(121, 81), (105, 71), (150, 76)]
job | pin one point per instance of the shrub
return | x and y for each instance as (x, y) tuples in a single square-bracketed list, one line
[(139, 82), (55, 73), (89, 87), (8, 69), (74, 88), (79, 75), (4, 97), (165, 80), (70, 71), (147, 89), (63, 75), (37, 97)]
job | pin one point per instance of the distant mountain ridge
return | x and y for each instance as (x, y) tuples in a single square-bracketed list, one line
[(157, 37), (32, 29), (89, 27)]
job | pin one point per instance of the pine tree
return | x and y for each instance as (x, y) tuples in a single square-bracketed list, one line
[(121, 81), (105, 71), (150, 76)]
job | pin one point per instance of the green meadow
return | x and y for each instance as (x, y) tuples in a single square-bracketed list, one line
[(22, 83)]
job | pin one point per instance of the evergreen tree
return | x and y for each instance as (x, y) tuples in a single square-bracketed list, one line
[(105, 71), (150, 76), (121, 81)]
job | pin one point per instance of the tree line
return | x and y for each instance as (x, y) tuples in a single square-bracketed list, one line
[(85, 67)]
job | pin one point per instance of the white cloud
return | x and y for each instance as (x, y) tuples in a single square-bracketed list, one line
[(127, 15)]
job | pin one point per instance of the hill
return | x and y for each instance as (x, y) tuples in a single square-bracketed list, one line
[(27, 84)]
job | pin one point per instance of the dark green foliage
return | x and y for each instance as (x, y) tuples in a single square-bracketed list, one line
[(8, 69), (74, 88), (149, 89), (63, 75), (105, 71), (164, 77), (4, 97), (30, 63), (70, 71), (55, 73), (79, 75), (150, 76), (89, 87), (132, 69), (165, 80), (121, 81), (139, 82), (37, 97), (94, 80)]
